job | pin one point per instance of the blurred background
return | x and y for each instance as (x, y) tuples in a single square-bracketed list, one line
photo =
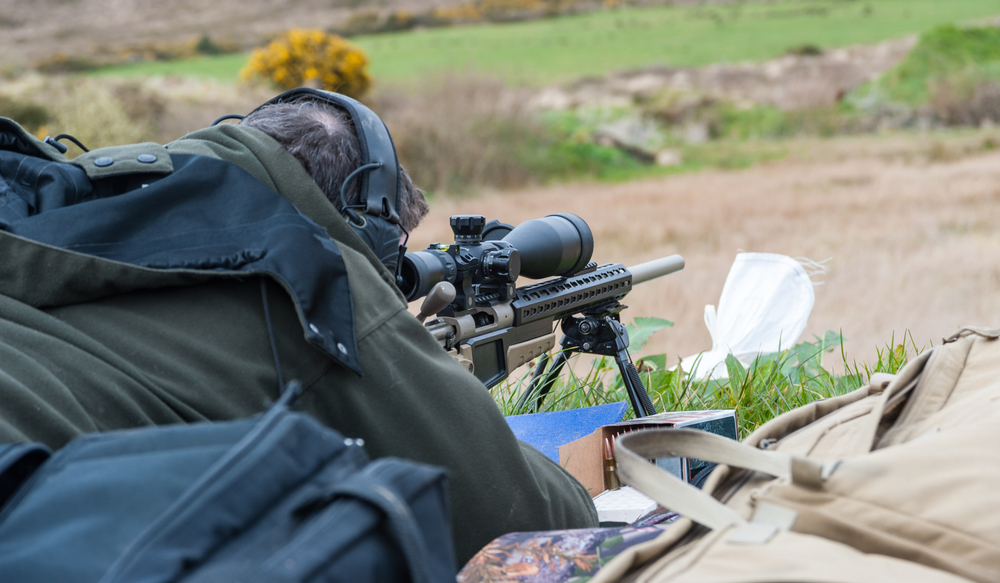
[(857, 133)]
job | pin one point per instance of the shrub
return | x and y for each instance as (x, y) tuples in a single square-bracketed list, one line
[(940, 54), (304, 57), (399, 20), (142, 106), (509, 10), (571, 148), (965, 101), (30, 115), (106, 111), (92, 113), (63, 63), (207, 46), (460, 14), (158, 51), (150, 51), (460, 133), (806, 50), (373, 21), (362, 22)]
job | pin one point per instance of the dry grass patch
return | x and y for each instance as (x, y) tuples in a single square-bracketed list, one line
[(107, 112), (914, 243), (459, 133)]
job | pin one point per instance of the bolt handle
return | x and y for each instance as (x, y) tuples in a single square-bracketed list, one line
[(442, 294)]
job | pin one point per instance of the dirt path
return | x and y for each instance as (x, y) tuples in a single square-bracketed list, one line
[(911, 227)]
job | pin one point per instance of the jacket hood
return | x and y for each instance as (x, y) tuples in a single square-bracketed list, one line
[(270, 163)]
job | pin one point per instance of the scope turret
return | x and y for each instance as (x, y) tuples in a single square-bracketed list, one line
[(468, 229)]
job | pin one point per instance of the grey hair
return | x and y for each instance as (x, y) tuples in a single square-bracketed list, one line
[(322, 138)]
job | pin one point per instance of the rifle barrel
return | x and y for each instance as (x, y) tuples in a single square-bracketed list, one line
[(656, 268)]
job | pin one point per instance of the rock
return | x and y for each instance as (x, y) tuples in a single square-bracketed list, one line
[(695, 133), (551, 98), (788, 82), (669, 158), (639, 137)]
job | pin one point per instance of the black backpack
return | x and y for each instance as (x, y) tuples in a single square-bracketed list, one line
[(279, 498)]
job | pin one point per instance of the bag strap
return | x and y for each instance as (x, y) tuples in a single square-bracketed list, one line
[(896, 389), (987, 333), (401, 523), (632, 451), (188, 528)]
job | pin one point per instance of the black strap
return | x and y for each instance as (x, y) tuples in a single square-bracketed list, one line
[(400, 522), (270, 335)]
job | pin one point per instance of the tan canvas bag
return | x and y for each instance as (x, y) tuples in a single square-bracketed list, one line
[(907, 467), (760, 550)]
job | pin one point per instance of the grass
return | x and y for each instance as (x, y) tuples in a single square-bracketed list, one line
[(224, 68), (770, 385), (944, 54), (567, 150), (559, 49)]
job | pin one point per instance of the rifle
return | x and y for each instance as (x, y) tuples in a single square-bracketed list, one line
[(492, 327)]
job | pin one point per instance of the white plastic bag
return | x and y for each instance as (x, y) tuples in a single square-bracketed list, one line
[(764, 308)]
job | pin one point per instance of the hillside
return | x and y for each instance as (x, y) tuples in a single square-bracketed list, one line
[(33, 29), (431, 36)]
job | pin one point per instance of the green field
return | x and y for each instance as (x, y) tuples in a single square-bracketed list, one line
[(558, 49)]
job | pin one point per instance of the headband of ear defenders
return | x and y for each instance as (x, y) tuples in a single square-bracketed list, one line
[(380, 181)]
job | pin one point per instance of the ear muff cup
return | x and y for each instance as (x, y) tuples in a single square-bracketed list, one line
[(382, 237)]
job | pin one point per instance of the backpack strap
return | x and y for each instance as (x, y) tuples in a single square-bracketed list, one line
[(632, 451)]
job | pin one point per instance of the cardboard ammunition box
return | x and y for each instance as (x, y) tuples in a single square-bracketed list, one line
[(585, 458)]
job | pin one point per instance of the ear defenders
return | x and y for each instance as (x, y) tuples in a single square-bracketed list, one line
[(375, 218)]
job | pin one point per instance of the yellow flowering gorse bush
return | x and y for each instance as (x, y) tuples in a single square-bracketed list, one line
[(312, 58)]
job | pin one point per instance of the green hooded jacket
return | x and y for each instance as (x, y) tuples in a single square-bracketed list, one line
[(88, 344)]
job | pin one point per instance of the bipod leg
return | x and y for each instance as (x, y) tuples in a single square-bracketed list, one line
[(542, 382), (637, 395), (604, 334), (536, 375)]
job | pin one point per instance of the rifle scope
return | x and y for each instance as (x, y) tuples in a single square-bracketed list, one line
[(487, 257)]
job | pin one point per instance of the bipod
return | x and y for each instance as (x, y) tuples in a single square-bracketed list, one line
[(600, 332)]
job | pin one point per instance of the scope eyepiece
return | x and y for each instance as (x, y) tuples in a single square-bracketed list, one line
[(423, 270)]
